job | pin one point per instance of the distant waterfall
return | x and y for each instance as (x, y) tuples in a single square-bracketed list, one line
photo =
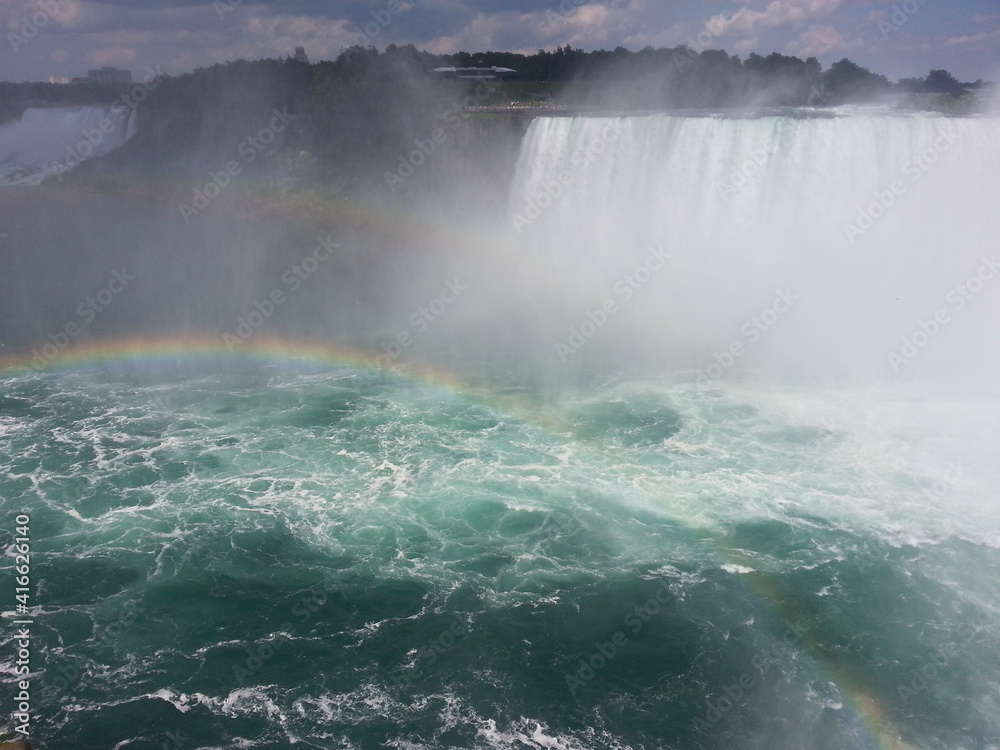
[(47, 141), (876, 222)]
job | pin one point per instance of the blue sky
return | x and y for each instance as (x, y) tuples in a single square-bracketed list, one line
[(45, 38)]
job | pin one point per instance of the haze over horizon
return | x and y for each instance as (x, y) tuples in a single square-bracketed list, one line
[(65, 38)]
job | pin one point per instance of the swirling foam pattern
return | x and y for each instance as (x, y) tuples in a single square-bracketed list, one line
[(268, 558)]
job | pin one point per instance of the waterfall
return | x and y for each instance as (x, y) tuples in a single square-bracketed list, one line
[(881, 227), (50, 140)]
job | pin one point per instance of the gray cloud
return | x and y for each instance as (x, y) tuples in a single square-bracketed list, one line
[(180, 35)]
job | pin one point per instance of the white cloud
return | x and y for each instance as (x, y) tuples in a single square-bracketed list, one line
[(777, 14), (745, 46), (18, 14), (819, 40), (594, 25), (190, 34), (591, 24), (670, 37), (973, 39), (477, 35), (591, 20), (258, 36), (279, 35)]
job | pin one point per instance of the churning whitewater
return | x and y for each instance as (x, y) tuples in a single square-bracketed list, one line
[(717, 514)]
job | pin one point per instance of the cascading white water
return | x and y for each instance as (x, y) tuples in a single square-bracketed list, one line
[(368, 557), (880, 227), (47, 141)]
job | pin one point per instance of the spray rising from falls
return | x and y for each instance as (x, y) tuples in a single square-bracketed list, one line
[(272, 545), (794, 246), (49, 141)]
